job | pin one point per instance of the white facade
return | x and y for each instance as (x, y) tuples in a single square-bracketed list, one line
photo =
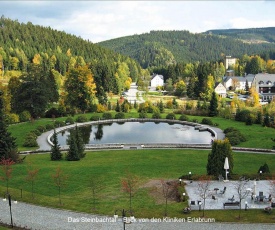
[(238, 83), (220, 90), (229, 61), (157, 80)]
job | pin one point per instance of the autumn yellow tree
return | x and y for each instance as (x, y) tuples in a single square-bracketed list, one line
[(270, 66), (254, 97), (80, 88)]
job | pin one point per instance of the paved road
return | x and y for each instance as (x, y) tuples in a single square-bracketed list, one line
[(131, 95), (36, 217)]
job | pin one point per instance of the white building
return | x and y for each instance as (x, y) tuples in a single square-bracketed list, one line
[(229, 61), (157, 80), (265, 85), (238, 83), (220, 90)]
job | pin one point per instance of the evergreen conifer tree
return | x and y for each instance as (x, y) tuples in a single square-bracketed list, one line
[(8, 148), (72, 154), (220, 150), (213, 108), (79, 143), (55, 149)]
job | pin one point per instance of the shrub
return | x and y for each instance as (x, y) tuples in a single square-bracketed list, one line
[(100, 108), (69, 121), (59, 124), (95, 118), (81, 119), (156, 116), (24, 116), (41, 128), (264, 168), (107, 116), (171, 116), (242, 115), (120, 115), (195, 120), (36, 132), (207, 121), (49, 126), (12, 118), (234, 136), (30, 140), (142, 115), (183, 117)]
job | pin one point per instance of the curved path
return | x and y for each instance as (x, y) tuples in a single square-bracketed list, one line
[(36, 217)]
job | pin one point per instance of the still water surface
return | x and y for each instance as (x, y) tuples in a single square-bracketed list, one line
[(138, 132)]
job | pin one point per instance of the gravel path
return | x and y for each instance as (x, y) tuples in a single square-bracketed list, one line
[(36, 217)]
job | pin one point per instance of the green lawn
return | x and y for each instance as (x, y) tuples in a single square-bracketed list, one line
[(110, 167)]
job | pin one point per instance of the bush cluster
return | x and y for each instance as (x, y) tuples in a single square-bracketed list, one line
[(234, 136), (120, 115), (207, 121), (30, 139)]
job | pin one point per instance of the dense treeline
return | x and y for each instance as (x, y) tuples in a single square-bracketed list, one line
[(21, 44), (250, 35), (40, 66), (165, 47)]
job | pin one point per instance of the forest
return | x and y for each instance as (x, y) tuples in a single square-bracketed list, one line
[(44, 70), (36, 60), (169, 47)]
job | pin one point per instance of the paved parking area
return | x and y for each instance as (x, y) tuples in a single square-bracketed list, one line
[(261, 185)]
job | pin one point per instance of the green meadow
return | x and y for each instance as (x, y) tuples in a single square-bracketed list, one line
[(110, 167)]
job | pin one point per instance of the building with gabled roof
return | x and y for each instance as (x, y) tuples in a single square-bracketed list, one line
[(220, 89), (238, 82), (264, 84), (157, 80)]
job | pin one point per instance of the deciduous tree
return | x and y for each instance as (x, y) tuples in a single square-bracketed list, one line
[(129, 185), (7, 170), (60, 181), (80, 88), (31, 177)]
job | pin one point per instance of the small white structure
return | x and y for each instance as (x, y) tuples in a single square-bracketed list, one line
[(157, 80), (226, 167), (220, 90)]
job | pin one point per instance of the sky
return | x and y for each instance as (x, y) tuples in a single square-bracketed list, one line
[(103, 20)]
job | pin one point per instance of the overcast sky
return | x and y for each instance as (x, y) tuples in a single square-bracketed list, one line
[(104, 20)]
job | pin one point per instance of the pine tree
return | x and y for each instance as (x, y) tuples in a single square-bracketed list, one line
[(72, 154), (55, 149), (220, 150), (79, 143), (213, 108), (8, 148)]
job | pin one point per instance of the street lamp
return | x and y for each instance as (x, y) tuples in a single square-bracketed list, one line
[(124, 218), (190, 175), (199, 205), (245, 207), (180, 180), (15, 201), (183, 195), (261, 175)]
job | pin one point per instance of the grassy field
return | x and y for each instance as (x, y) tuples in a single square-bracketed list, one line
[(110, 167)]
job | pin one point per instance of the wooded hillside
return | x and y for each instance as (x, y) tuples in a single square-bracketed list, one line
[(164, 47)]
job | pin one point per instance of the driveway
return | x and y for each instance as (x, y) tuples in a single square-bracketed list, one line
[(131, 95)]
